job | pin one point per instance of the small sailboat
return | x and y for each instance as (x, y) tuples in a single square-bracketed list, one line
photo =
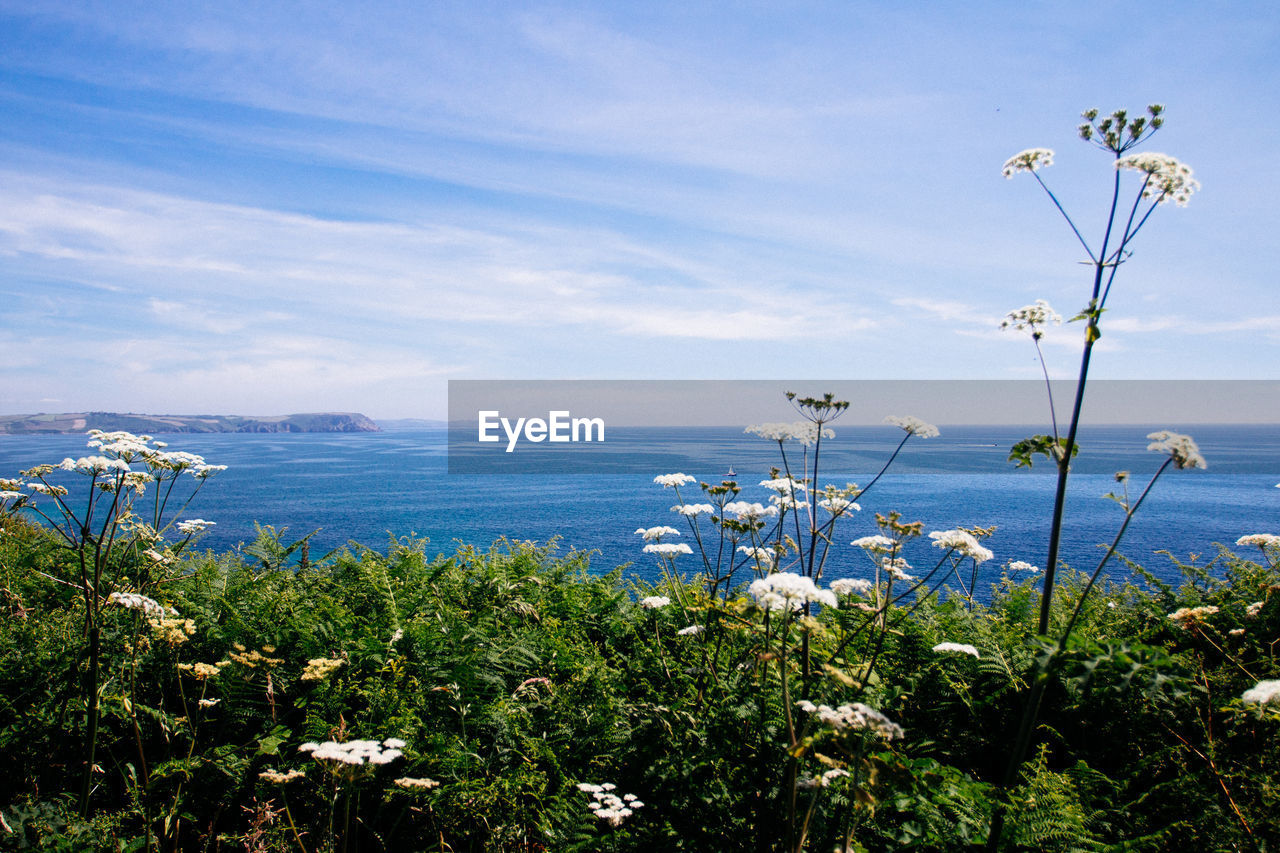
[(732, 473)]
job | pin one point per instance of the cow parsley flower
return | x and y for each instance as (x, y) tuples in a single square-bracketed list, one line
[(1022, 566), (194, 526), (1168, 179), (1260, 540), (608, 806), (419, 784), (1185, 617), (1181, 447), (784, 485), (693, 510), (806, 433), (672, 481), (208, 703), (689, 630), (668, 549), (655, 534), (913, 426), (789, 591), (653, 602), (765, 556), (137, 601), (958, 648), (10, 495), (875, 543), (849, 586), (897, 567), (1032, 318), (95, 465), (353, 753), (1262, 693), (747, 511), (277, 778), (963, 542), (1254, 609), (1027, 161), (854, 716)]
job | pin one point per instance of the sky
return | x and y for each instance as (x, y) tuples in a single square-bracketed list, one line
[(250, 208)]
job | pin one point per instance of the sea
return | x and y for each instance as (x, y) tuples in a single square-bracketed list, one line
[(366, 489)]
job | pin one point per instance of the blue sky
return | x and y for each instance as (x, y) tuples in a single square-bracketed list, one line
[(263, 208)]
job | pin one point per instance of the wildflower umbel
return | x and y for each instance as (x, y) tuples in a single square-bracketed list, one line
[(805, 432), (1262, 693), (136, 601), (913, 426), (1032, 318), (854, 716), (1168, 179), (1182, 448), (653, 602), (1185, 617), (318, 669), (608, 806), (1260, 540), (669, 550), (958, 648), (354, 753), (849, 586), (961, 541), (1027, 161), (788, 591), (671, 481), (655, 534)]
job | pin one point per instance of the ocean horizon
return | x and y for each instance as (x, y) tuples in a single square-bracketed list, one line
[(365, 488)]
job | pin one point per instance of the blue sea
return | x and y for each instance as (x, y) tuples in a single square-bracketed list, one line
[(367, 487)]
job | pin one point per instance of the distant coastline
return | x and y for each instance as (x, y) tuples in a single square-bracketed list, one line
[(78, 422)]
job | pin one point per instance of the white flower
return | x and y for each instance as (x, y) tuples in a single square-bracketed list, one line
[(94, 465), (848, 586), (8, 495), (195, 525), (1032, 318), (765, 556), (1167, 177), (875, 543), (208, 703), (784, 485), (671, 481), (959, 648), (1184, 617), (746, 511), (789, 591), (963, 542), (805, 432), (1261, 540), (913, 426), (668, 549), (1027, 161), (1181, 447), (691, 510), (353, 752), (787, 502), (855, 716), (653, 602), (689, 630), (897, 568), (1262, 693), (275, 777), (835, 506), (137, 601), (1022, 566), (1253, 609), (412, 784), (655, 534), (608, 806)]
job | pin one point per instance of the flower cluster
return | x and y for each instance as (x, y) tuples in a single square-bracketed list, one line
[(838, 505), (653, 602), (1027, 161), (1183, 449), (962, 541), (203, 671), (1167, 177), (1185, 617), (689, 631), (855, 717), (788, 591), (784, 485), (875, 543), (670, 550), (277, 778), (252, 658), (136, 601), (849, 586), (655, 534), (194, 526), (1032, 318), (673, 481), (94, 465), (608, 806), (411, 784), (958, 648), (805, 432), (318, 669), (764, 556), (896, 567), (1260, 540), (747, 511), (355, 752), (1022, 566), (913, 426), (1262, 693), (808, 783), (692, 510)]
